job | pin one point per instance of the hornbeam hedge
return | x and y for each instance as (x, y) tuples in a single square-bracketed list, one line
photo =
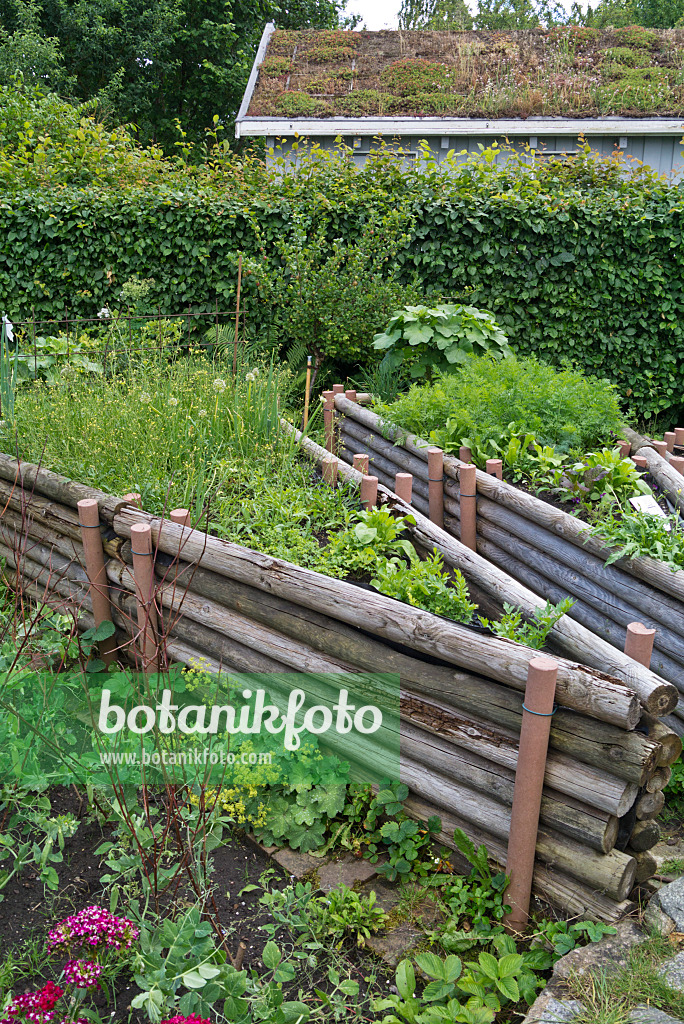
[(580, 261)]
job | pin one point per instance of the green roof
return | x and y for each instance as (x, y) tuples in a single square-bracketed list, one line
[(567, 71)]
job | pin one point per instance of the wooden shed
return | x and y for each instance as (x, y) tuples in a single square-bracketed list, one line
[(621, 90)]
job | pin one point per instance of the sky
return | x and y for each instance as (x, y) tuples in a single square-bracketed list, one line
[(376, 13)]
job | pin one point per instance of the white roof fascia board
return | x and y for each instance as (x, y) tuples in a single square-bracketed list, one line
[(392, 126), (249, 91)]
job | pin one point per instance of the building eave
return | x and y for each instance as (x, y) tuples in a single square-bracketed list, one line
[(251, 82), (389, 127)]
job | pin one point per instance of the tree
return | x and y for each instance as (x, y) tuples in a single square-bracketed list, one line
[(649, 13), (435, 14), (157, 64)]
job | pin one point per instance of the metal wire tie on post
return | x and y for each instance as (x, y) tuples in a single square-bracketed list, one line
[(541, 714)]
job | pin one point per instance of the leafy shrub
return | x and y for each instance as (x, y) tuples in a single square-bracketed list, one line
[(424, 584), (558, 407), (441, 338)]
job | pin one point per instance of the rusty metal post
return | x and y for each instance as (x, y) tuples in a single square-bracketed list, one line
[(89, 521), (639, 643), (465, 454), (328, 414), (181, 516), (330, 464), (495, 468), (350, 393), (403, 486), (369, 491), (467, 478), (436, 486), (361, 463), (307, 393), (143, 574), (538, 708), (669, 438)]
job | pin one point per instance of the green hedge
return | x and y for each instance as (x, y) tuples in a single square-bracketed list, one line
[(580, 263)]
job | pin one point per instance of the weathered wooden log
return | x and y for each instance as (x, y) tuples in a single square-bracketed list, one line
[(659, 731), (611, 873), (578, 686), (537, 511), (674, 722), (627, 755), (573, 819), (549, 884), (659, 780), (387, 481), (584, 569), (668, 479), (403, 460), (583, 613), (656, 695), (379, 462), (316, 452), (649, 805), (646, 863), (645, 835), (42, 481)]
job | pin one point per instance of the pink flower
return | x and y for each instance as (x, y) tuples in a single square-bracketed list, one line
[(83, 973), (92, 927), (194, 1018), (36, 1007)]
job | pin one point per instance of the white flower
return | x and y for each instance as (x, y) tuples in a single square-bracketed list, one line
[(104, 314), (173, 401), (202, 413), (219, 386), (249, 377), (145, 398), (9, 327), (3, 424), (321, 400), (255, 372)]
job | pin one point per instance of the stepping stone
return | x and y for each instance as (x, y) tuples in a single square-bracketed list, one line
[(671, 899), (395, 945), (651, 1015), (298, 864), (550, 1008), (673, 971), (349, 871), (608, 955)]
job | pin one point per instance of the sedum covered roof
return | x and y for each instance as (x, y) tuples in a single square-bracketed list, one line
[(568, 72)]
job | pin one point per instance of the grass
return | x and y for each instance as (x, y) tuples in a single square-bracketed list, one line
[(674, 866), (609, 998)]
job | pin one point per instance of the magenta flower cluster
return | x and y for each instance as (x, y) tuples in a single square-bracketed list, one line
[(194, 1018), (92, 927), (82, 973), (37, 1007)]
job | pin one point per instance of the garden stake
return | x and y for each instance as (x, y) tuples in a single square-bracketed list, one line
[(330, 470), (495, 468), (436, 486), (465, 454), (639, 643), (237, 316), (677, 462), (669, 438), (89, 521), (679, 436), (639, 461), (369, 492), (660, 447), (307, 392), (467, 476), (143, 575), (538, 707), (625, 449), (350, 395), (181, 516), (360, 463), (133, 499), (403, 486), (328, 411)]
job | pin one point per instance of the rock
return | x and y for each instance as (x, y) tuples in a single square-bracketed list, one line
[(297, 864), (673, 971), (550, 1007), (650, 1015), (348, 871), (611, 953), (671, 899), (657, 920), (394, 946)]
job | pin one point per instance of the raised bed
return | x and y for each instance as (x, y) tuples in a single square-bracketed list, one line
[(548, 551), (461, 691)]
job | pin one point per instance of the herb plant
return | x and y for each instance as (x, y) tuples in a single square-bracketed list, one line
[(424, 584), (634, 534), (533, 634)]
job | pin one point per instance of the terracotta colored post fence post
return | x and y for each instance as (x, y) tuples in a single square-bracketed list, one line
[(403, 486), (436, 486), (143, 574), (467, 478), (527, 794), (89, 521), (307, 393), (360, 462), (369, 491), (495, 468), (669, 439), (181, 516), (639, 643)]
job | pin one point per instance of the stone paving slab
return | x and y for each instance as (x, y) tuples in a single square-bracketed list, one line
[(298, 864), (349, 871), (608, 955), (671, 899), (651, 1015), (394, 945)]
